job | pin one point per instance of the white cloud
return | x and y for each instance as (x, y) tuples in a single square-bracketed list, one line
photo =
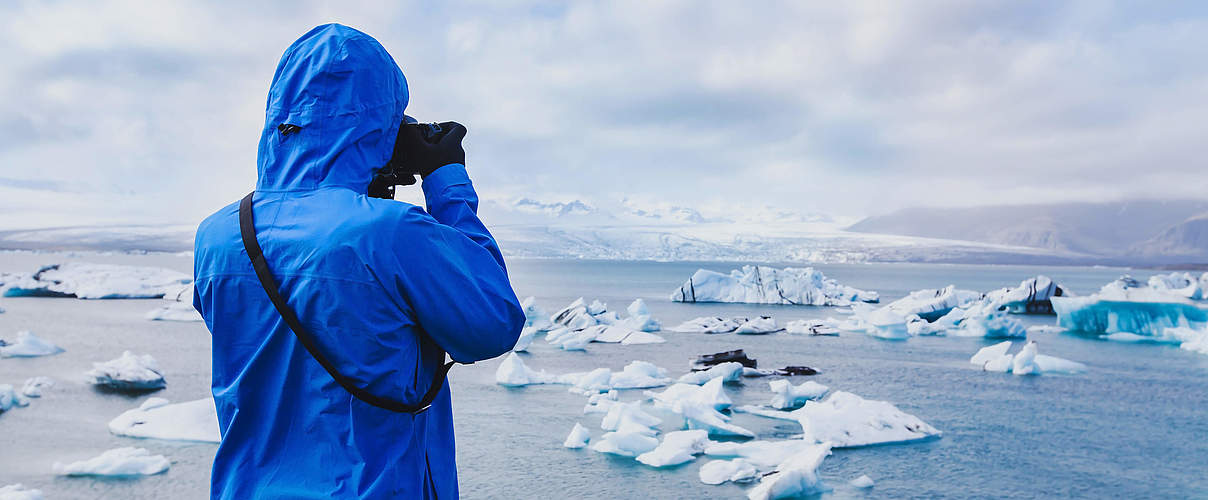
[(154, 110)]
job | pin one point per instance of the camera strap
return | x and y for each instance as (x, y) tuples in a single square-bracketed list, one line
[(247, 230)]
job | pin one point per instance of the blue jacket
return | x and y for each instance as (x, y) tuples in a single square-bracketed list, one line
[(385, 287)]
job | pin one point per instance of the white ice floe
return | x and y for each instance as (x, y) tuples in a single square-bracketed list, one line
[(848, 421), (579, 324), (677, 447), (932, 304), (1030, 297), (27, 346), (631, 431), (768, 285), (785, 395), (795, 477), (699, 415), (758, 326), (811, 327), (601, 402), (708, 324), (862, 482), (118, 462), (129, 372), (880, 322), (626, 444), (35, 385), (9, 398), (96, 281), (512, 372), (578, 437), (156, 419), (728, 372), (177, 306), (951, 311), (762, 454), (1028, 361), (19, 492), (719, 471), (639, 318), (711, 393)]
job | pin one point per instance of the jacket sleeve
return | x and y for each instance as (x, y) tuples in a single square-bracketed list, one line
[(452, 275)]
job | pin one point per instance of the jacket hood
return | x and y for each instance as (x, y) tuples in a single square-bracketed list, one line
[(344, 97)]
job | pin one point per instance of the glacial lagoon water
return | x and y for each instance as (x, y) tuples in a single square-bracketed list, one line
[(1134, 425)]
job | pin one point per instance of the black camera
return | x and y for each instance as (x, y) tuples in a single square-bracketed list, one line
[(397, 172)]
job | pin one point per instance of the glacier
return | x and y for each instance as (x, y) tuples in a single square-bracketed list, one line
[(128, 373), (768, 285), (118, 462), (157, 419), (96, 281)]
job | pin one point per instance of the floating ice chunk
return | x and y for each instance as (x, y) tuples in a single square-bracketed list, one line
[(626, 444), (1032, 296), (786, 395), (628, 414), (767, 285), (1053, 364), (797, 476), (527, 334), (639, 375), (881, 322), (600, 402), (1099, 315), (993, 325), (707, 324), (28, 346), (534, 316), (763, 454), (19, 492), (178, 305), (9, 398), (932, 304), (728, 372), (1001, 364), (811, 327), (758, 326), (119, 462), (703, 416), (1191, 340), (862, 482), (711, 393), (640, 337), (33, 386), (578, 437), (96, 281), (574, 316), (720, 471), (613, 334), (677, 447), (847, 420), (640, 318), (156, 419), (130, 372), (512, 372), (990, 353)]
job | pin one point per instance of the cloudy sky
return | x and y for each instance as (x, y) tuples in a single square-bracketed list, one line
[(149, 112)]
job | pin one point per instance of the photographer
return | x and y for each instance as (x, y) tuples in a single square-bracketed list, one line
[(331, 311)]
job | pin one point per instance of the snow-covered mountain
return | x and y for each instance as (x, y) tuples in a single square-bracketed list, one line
[(1182, 242)]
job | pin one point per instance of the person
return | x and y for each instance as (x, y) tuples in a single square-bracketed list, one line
[(384, 288)]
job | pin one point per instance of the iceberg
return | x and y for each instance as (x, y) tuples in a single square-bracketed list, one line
[(728, 372), (758, 326), (795, 477), (535, 321), (762, 454), (862, 482), (28, 346), (34, 385), (512, 372), (785, 395), (711, 393), (719, 471), (768, 285), (579, 324), (1032, 296), (638, 375), (128, 373), (625, 444), (96, 281), (932, 304), (178, 305), (578, 437), (157, 419), (847, 421), (706, 324), (1125, 306), (1027, 362), (1189, 339), (677, 447), (9, 398), (811, 327), (118, 462), (629, 415), (880, 322), (601, 402), (639, 318), (19, 492), (703, 416), (1182, 284)]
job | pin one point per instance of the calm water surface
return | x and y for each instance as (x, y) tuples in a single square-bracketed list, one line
[(1133, 426)]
